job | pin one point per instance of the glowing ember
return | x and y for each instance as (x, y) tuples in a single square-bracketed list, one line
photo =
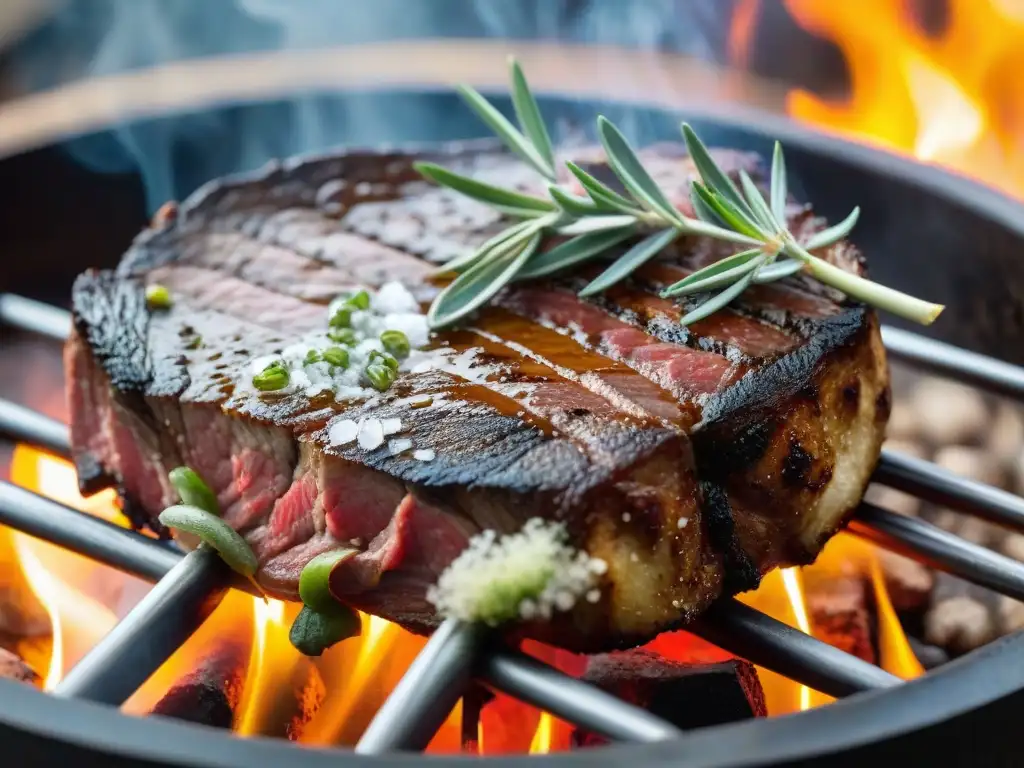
[(952, 98)]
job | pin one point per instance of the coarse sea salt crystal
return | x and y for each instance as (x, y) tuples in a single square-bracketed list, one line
[(342, 432), (371, 434), (391, 425), (394, 297), (399, 445), (424, 454)]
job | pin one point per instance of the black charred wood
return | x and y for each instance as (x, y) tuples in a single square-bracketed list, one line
[(209, 694), (473, 702), (686, 695)]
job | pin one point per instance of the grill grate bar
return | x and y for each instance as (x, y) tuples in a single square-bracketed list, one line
[(940, 549), (428, 690), (153, 630), (35, 316), (87, 535), (759, 638), (575, 701), (938, 357), (931, 483), (25, 425)]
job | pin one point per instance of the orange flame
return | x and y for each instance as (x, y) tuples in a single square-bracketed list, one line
[(953, 98), (331, 699)]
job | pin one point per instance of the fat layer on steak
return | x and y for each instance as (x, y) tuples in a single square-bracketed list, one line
[(691, 460)]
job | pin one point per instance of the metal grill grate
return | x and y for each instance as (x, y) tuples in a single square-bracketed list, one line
[(189, 587)]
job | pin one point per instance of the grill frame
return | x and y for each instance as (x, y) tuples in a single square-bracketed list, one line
[(982, 681)]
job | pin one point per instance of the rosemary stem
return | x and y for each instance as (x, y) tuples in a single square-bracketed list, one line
[(888, 299)]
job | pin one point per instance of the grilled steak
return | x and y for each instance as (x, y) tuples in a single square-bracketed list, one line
[(690, 460)]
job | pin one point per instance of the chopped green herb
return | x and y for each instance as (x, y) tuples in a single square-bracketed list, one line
[(342, 318), (195, 343), (359, 300), (314, 632), (380, 376), (314, 586), (312, 357), (272, 378), (215, 533), (395, 342), (193, 491), (383, 357), (336, 356), (158, 297), (344, 336)]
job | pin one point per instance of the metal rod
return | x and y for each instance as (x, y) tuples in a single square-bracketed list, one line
[(940, 549), (931, 482), (35, 316), (529, 680), (981, 371), (428, 690), (154, 629), (25, 425), (735, 627), (87, 535), (769, 643)]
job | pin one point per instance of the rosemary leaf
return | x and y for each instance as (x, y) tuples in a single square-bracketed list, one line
[(777, 271), (630, 260), (461, 263), (762, 213), (505, 200), (574, 251), (479, 283), (573, 205), (631, 172), (704, 211), (602, 195), (720, 279), (727, 212), (834, 233), (596, 224), (718, 301), (528, 114), (507, 132), (714, 177), (723, 265), (779, 191)]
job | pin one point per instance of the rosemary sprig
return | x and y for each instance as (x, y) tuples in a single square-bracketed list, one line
[(605, 218)]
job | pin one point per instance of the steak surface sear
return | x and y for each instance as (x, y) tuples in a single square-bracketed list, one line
[(691, 460)]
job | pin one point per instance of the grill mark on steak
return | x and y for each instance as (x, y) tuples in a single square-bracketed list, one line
[(608, 418)]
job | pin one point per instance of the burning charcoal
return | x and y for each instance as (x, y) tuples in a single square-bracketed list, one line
[(687, 695), (1011, 615), (893, 500), (909, 583), (959, 624), (210, 694), (838, 610), (1013, 546), (903, 422), (1005, 440), (949, 413), (970, 462), (13, 668)]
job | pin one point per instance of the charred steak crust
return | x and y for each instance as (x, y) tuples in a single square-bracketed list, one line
[(692, 460)]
